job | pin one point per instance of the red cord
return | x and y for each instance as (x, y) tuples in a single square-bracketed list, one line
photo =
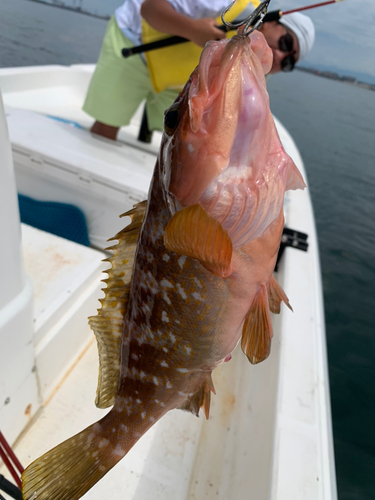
[(10, 468), (7, 455), (10, 452)]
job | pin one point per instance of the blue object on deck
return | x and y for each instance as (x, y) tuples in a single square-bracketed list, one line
[(60, 219), (64, 120)]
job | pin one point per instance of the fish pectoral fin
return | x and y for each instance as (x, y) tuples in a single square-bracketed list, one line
[(200, 399), (276, 295), (193, 232), (109, 323), (257, 329)]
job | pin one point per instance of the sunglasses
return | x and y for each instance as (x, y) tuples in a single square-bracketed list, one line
[(286, 45)]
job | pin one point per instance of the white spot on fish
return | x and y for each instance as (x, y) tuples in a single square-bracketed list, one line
[(134, 356), (190, 148), (164, 317), (172, 337), (163, 363), (152, 419), (166, 284), (176, 321), (184, 394), (101, 468), (90, 437), (181, 291), (118, 451), (94, 454), (143, 414), (199, 284), (166, 257), (138, 401), (182, 370), (162, 404), (149, 256), (123, 428), (166, 298), (188, 350), (168, 386), (145, 309), (198, 296), (181, 261), (165, 349), (155, 380), (103, 442)]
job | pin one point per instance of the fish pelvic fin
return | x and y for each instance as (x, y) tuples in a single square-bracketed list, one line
[(70, 469), (276, 295), (109, 323), (257, 329), (193, 232), (200, 399)]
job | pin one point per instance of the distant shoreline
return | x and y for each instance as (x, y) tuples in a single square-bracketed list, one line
[(78, 10), (335, 76)]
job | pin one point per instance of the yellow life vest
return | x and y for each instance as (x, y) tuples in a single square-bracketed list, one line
[(170, 67)]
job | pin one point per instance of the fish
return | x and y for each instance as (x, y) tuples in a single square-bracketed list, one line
[(192, 275)]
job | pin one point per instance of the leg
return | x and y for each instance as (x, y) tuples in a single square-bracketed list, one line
[(104, 130), (117, 86)]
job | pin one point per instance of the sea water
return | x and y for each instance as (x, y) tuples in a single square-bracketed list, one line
[(333, 125)]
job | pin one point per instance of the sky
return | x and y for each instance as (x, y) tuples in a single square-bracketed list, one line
[(345, 33)]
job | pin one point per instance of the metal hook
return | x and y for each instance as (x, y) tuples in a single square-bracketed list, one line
[(259, 12)]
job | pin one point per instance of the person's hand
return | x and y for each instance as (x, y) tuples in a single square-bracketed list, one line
[(204, 30)]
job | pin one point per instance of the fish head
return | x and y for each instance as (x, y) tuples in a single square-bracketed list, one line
[(202, 125), (220, 130)]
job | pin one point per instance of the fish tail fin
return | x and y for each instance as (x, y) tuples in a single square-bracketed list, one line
[(70, 469)]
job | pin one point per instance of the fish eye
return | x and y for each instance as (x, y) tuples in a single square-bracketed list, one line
[(171, 119)]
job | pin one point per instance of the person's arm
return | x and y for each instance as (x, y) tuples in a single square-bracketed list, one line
[(163, 17)]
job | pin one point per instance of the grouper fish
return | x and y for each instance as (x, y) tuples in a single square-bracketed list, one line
[(192, 275)]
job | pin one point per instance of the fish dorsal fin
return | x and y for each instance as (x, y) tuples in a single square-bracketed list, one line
[(193, 232), (109, 322), (257, 329), (200, 399), (276, 295)]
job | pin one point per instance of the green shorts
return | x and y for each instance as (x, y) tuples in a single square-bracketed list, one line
[(119, 85)]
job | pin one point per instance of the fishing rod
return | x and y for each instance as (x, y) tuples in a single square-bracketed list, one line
[(274, 15)]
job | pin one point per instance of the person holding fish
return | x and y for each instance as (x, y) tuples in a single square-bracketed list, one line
[(119, 85)]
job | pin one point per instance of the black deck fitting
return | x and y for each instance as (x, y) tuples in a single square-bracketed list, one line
[(294, 239)]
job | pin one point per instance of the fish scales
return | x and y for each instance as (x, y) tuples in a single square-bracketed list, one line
[(192, 274)]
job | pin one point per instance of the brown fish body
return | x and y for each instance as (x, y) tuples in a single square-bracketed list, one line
[(191, 275)]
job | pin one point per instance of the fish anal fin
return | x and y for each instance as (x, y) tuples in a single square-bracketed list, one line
[(200, 399), (193, 232), (109, 323), (257, 329), (276, 295)]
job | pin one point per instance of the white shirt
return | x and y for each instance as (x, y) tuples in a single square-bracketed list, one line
[(128, 16)]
